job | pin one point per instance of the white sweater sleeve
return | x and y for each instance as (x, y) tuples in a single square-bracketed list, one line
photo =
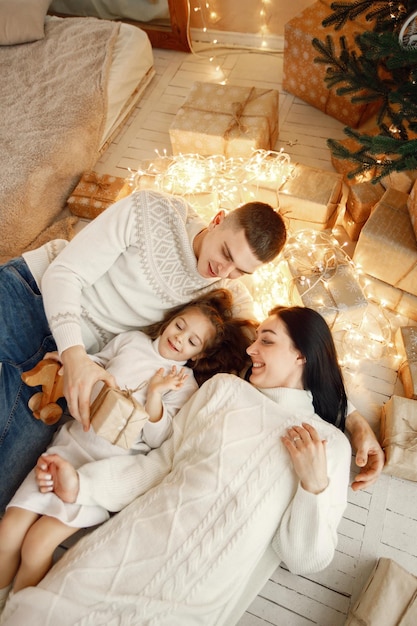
[(307, 536), (115, 482)]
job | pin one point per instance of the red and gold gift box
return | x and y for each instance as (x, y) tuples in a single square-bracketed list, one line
[(399, 437), (116, 416), (304, 78), (389, 598), (311, 198), (95, 193), (361, 199), (387, 247), (225, 119), (406, 342)]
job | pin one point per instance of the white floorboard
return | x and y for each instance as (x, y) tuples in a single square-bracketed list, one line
[(378, 522)]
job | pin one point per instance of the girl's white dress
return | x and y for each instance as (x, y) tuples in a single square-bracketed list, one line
[(132, 358)]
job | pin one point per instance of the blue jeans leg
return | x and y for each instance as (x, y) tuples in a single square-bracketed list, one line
[(24, 338)]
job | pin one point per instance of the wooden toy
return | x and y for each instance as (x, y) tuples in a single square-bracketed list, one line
[(43, 403)]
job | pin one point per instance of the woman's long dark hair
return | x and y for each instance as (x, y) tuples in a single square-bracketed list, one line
[(226, 352), (322, 376)]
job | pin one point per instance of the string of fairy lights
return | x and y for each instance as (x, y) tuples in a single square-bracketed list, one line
[(311, 259)]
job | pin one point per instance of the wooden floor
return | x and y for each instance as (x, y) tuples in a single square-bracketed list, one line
[(378, 522)]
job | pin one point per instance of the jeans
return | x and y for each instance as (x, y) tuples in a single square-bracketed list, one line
[(24, 338)]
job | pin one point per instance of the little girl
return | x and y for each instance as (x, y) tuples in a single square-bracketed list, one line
[(199, 339)]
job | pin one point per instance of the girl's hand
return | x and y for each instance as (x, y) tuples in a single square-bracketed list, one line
[(161, 382), (308, 454)]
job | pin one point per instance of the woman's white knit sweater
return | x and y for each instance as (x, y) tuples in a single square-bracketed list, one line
[(124, 270), (216, 494)]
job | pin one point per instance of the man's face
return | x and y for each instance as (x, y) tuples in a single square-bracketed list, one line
[(224, 252)]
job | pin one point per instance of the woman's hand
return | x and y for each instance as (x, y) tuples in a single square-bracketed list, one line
[(55, 474), (80, 376), (308, 454)]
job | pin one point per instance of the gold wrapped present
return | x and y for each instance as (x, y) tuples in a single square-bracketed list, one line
[(387, 247), (391, 297), (311, 198), (225, 119), (399, 437), (406, 342), (95, 193), (117, 416), (305, 79), (389, 598), (362, 197), (412, 207)]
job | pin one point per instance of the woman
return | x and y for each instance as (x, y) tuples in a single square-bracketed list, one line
[(249, 466)]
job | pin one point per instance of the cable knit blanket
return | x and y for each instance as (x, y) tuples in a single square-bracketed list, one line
[(53, 107), (216, 495)]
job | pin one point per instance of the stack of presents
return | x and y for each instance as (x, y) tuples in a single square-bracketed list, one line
[(234, 121)]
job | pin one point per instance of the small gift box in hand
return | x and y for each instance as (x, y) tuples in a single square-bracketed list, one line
[(117, 416)]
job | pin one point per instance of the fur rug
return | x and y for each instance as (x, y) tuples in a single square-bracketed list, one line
[(53, 103)]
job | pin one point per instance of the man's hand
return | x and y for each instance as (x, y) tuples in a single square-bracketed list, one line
[(369, 454), (55, 474), (80, 376)]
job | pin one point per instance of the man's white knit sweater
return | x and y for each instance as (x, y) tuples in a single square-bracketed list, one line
[(124, 270), (216, 495)]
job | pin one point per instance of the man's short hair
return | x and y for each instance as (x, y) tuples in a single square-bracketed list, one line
[(263, 226)]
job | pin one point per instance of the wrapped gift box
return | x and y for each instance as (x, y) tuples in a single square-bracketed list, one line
[(95, 193), (361, 199), (412, 207), (389, 598), (393, 298), (335, 294), (225, 119), (116, 416), (406, 342), (387, 247), (311, 198), (305, 79), (399, 437)]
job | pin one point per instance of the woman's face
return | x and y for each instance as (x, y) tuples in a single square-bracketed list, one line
[(275, 360)]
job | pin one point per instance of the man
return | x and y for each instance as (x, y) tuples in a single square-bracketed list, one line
[(142, 256)]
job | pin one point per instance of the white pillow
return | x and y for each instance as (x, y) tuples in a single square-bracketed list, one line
[(22, 21)]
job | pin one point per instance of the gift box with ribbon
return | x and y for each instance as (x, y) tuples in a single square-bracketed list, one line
[(95, 193), (399, 437), (361, 199), (392, 298), (117, 416), (304, 78), (321, 276), (406, 342), (387, 247), (225, 119), (389, 598)]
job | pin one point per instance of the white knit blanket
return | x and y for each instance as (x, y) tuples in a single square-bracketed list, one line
[(181, 554), (53, 107)]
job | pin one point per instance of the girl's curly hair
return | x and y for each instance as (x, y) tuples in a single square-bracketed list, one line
[(226, 352)]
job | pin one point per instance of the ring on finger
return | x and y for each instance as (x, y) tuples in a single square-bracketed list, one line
[(296, 439)]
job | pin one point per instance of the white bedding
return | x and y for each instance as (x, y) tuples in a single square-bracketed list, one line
[(138, 10), (130, 71)]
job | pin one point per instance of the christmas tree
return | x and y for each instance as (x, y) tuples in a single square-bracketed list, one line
[(381, 68)]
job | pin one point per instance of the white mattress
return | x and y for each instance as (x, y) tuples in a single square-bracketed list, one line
[(130, 72)]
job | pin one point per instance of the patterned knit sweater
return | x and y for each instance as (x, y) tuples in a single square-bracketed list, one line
[(216, 494), (124, 270)]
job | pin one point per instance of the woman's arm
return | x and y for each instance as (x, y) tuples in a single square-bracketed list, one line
[(307, 536)]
